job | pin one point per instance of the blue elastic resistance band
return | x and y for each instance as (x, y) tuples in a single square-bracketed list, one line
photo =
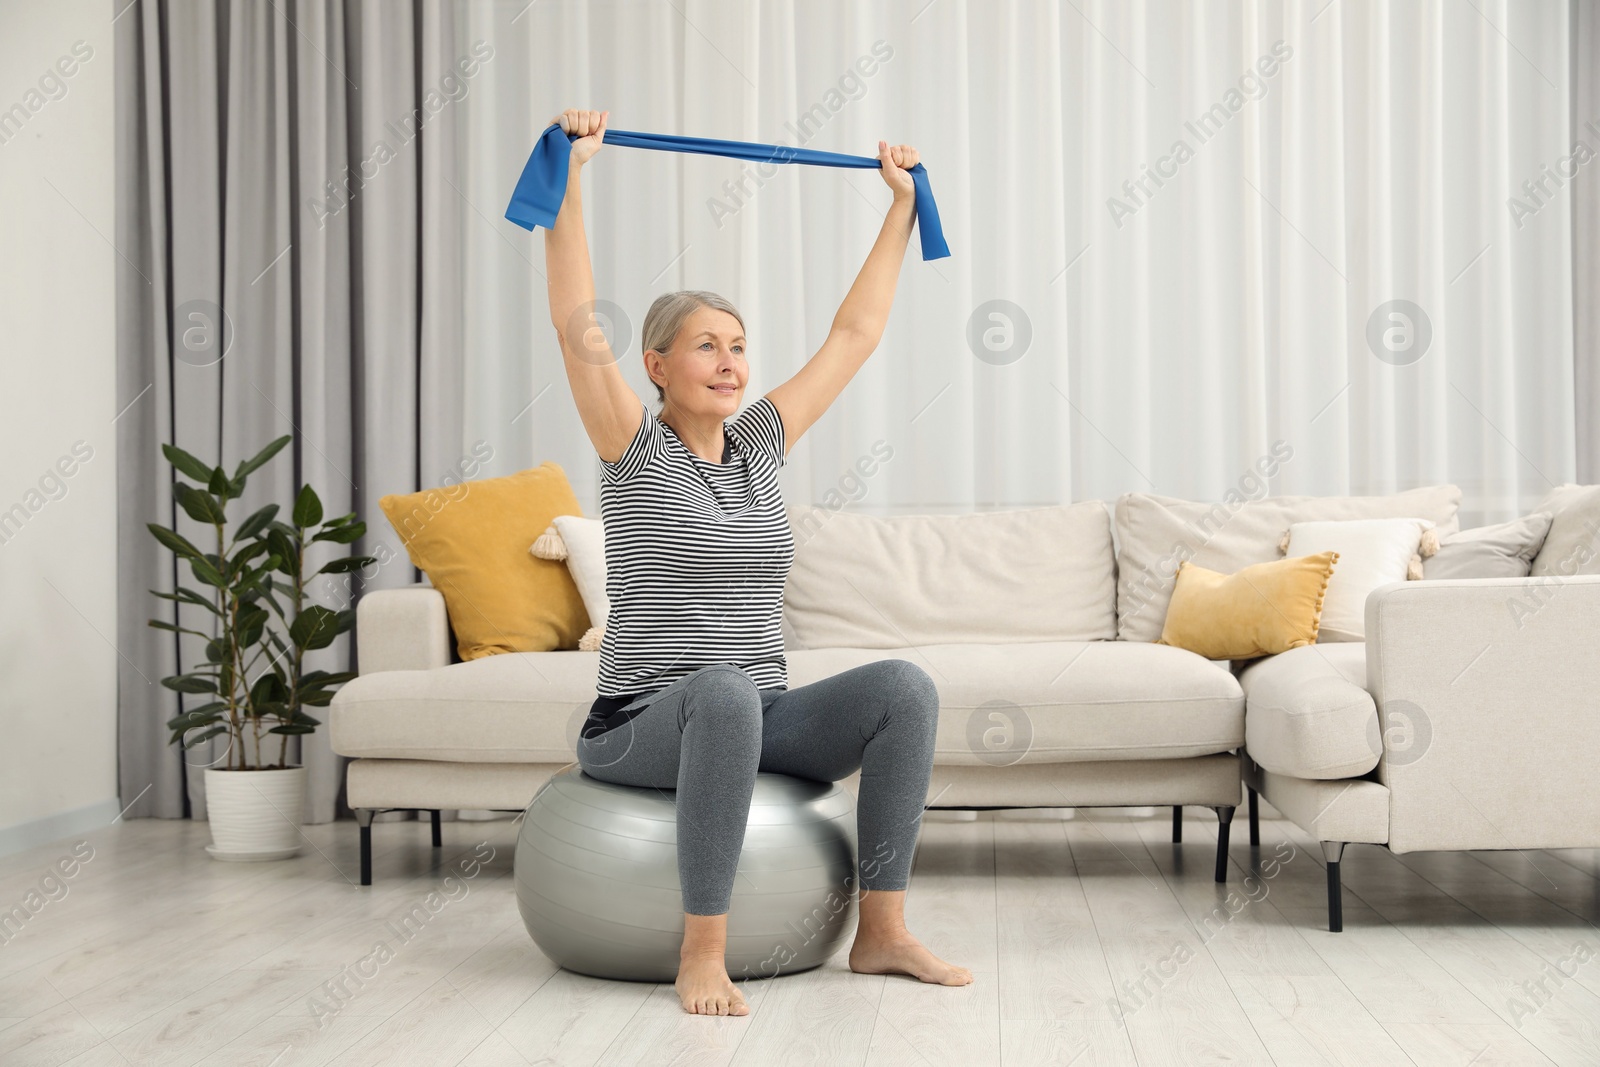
[(536, 201)]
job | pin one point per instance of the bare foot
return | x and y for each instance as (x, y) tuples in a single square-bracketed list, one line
[(904, 954), (704, 987)]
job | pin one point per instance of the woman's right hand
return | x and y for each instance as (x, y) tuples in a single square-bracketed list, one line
[(590, 127)]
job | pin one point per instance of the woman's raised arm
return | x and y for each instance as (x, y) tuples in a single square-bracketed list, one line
[(859, 323), (610, 409)]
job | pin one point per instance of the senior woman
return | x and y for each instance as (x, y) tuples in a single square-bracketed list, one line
[(693, 693)]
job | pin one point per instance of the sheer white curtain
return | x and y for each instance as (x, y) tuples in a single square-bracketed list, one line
[(1316, 162)]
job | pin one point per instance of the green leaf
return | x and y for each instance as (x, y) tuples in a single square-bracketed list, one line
[(316, 627), (186, 463), (292, 728), (254, 463), (200, 507), (194, 596), (241, 559), (216, 650), (268, 688), (254, 615), (189, 596), (342, 535), (307, 507), (321, 678), (173, 540), (247, 586), (203, 738), (277, 609), (218, 483), (159, 625), (256, 522), (251, 624), (345, 566), (286, 546), (197, 717), (208, 574), (211, 710), (190, 683), (191, 719)]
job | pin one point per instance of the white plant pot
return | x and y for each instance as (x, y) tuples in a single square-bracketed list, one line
[(255, 815)]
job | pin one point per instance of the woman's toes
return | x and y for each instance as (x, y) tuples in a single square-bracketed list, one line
[(704, 988)]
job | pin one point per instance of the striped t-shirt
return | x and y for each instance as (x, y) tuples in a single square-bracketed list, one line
[(697, 554)]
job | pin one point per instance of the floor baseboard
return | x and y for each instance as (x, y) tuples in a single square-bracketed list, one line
[(35, 832)]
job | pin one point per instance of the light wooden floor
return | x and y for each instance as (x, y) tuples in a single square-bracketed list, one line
[(157, 954)]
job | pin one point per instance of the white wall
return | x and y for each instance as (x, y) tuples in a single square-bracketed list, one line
[(58, 675)]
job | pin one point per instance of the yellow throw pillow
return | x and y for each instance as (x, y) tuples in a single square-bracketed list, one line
[(1259, 610), (472, 538)]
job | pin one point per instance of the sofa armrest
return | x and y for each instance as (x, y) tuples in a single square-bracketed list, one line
[(402, 629), (1488, 695)]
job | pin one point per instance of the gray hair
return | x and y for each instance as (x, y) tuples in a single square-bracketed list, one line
[(665, 318)]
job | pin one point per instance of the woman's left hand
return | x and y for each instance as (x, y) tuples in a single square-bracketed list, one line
[(895, 161)]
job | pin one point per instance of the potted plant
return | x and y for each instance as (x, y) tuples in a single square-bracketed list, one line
[(252, 685)]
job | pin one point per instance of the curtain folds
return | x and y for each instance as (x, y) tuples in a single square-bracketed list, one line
[(1191, 237), (274, 162), (1584, 63)]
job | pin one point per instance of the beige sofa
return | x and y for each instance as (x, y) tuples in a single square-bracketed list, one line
[(1013, 614), (1468, 718), (1451, 727), (1037, 628)]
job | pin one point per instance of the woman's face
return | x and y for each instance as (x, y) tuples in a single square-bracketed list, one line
[(706, 372)]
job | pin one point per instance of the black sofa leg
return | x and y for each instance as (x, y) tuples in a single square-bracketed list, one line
[(438, 836), (1177, 826), (1224, 820), (364, 820), (1332, 853), (1255, 818)]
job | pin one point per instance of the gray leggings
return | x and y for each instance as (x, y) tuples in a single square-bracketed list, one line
[(707, 734)]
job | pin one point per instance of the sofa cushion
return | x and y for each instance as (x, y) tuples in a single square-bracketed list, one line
[(583, 548), (1044, 702), (1573, 543), (1034, 574), (1371, 552), (1155, 533), (1308, 713), (1256, 611), (1063, 701), (471, 539), (1502, 550), (517, 707)]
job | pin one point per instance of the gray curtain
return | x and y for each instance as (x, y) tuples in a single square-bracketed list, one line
[(1585, 88), (287, 265)]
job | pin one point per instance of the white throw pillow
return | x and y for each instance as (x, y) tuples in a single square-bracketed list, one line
[(1372, 552), (583, 545)]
